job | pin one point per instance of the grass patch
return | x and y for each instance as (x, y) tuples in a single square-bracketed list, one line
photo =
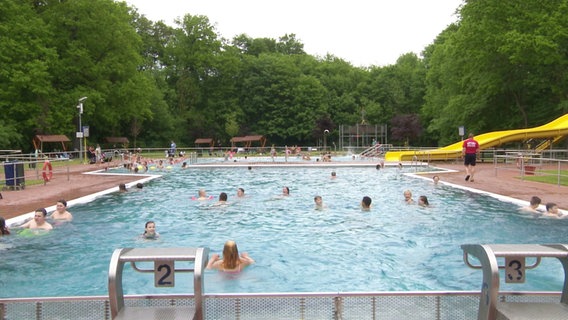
[(549, 176)]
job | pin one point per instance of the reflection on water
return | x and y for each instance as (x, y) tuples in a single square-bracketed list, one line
[(394, 247)]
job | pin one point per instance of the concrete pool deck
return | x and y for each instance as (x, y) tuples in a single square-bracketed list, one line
[(506, 183)]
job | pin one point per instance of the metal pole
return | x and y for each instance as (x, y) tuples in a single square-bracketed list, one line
[(81, 131)]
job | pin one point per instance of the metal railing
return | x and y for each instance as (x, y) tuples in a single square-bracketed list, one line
[(428, 305), (15, 173), (532, 164)]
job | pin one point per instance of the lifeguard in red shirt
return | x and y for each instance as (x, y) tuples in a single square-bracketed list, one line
[(469, 152)]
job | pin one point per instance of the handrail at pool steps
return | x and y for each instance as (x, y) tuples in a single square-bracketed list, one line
[(164, 276), (514, 256)]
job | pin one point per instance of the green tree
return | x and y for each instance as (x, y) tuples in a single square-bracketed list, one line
[(25, 78), (99, 56), (502, 66)]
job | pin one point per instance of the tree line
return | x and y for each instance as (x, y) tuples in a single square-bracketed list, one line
[(503, 64)]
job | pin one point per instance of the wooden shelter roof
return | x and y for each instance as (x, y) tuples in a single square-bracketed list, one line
[(39, 139), (52, 138), (117, 140), (248, 140), (204, 141)]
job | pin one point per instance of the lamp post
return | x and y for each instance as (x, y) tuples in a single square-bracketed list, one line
[(80, 131)]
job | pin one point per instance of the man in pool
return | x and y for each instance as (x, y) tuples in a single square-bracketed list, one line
[(552, 211), (533, 205), (61, 212), (38, 222), (366, 203), (240, 193), (408, 197), (222, 199)]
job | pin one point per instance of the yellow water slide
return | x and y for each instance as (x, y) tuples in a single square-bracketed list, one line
[(553, 129)]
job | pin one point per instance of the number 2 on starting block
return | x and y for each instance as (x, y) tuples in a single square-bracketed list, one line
[(164, 273)]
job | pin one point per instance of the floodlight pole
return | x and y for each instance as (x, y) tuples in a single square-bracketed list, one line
[(325, 133), (80, 132)]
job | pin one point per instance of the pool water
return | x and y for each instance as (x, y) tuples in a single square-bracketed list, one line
[(392, 247)]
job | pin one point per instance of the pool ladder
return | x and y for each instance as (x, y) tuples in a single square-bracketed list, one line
[(164, 276), (514, 256)]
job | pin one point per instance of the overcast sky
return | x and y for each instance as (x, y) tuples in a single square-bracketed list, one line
[(363, 32)]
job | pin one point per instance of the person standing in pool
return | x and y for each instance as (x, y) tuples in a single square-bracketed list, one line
[(61, 212), (231, 261), (470, 150), (38, 222), (150, 231)]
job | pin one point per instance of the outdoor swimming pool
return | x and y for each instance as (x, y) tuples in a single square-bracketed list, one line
[(393, 247)]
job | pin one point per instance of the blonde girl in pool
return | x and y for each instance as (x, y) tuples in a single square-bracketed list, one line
[(231, 261)]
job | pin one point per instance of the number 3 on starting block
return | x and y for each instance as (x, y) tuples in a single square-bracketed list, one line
[(164, 273), (515, 269)]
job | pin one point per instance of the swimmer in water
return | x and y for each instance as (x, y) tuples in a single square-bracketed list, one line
[(222, 199), (436, 179), (150, 231), (552, 211), (366, 203), (408, 197), (4, 231), (534, 203), (423, 201), (231, 261), (61, 212), (319, 202), (38, 222), (203, 195)]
